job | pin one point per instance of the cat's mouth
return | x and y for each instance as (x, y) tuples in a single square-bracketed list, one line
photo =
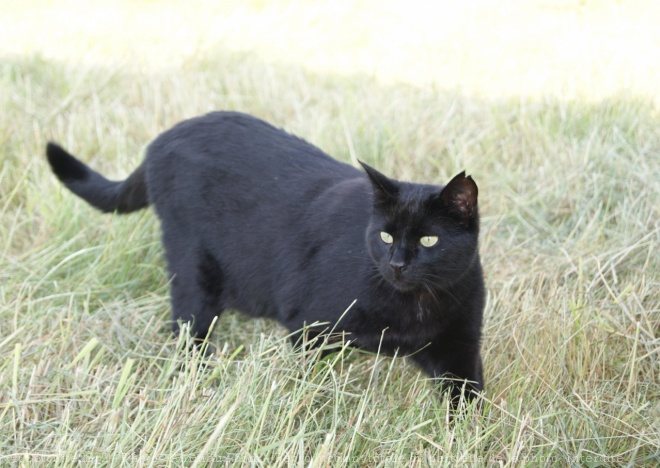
[(404, 286), (400, 282)]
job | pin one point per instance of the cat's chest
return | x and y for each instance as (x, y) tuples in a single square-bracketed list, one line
[(404, 325)]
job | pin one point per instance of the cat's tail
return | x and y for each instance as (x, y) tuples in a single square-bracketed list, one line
[(106, 195)]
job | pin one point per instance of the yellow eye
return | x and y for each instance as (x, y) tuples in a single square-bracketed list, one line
[(428, 241), (385, 237)]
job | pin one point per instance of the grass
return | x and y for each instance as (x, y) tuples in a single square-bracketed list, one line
[(568, 169)]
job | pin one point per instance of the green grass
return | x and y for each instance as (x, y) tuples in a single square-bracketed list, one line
[(570, 200)]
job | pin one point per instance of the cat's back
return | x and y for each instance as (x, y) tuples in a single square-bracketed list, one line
[(240, 145)]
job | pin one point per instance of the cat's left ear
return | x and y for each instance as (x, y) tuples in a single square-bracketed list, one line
[(459, 196), (385, 189)]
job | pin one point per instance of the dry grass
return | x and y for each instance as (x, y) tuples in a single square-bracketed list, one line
[(552, 106)]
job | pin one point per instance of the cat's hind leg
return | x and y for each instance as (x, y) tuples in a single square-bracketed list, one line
[(196, 288)]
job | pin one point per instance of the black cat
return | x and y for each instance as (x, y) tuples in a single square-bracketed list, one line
[(260, 221)]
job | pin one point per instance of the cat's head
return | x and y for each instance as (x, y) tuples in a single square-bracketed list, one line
[(420, 236)]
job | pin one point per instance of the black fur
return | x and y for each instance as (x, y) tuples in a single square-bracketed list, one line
[(257, 220), (98, 191)]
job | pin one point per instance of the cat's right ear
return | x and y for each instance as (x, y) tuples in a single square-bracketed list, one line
[(385, 189)]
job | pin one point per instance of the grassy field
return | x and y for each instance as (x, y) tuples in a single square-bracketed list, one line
[(553, 107)]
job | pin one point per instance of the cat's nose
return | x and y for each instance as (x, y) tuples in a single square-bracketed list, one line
[(398, 262), (398, 266)]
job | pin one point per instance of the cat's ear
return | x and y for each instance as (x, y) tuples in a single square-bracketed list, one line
[(385, 189), (459, 197)]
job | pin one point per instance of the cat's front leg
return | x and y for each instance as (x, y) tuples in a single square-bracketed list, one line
[(457, 365)]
